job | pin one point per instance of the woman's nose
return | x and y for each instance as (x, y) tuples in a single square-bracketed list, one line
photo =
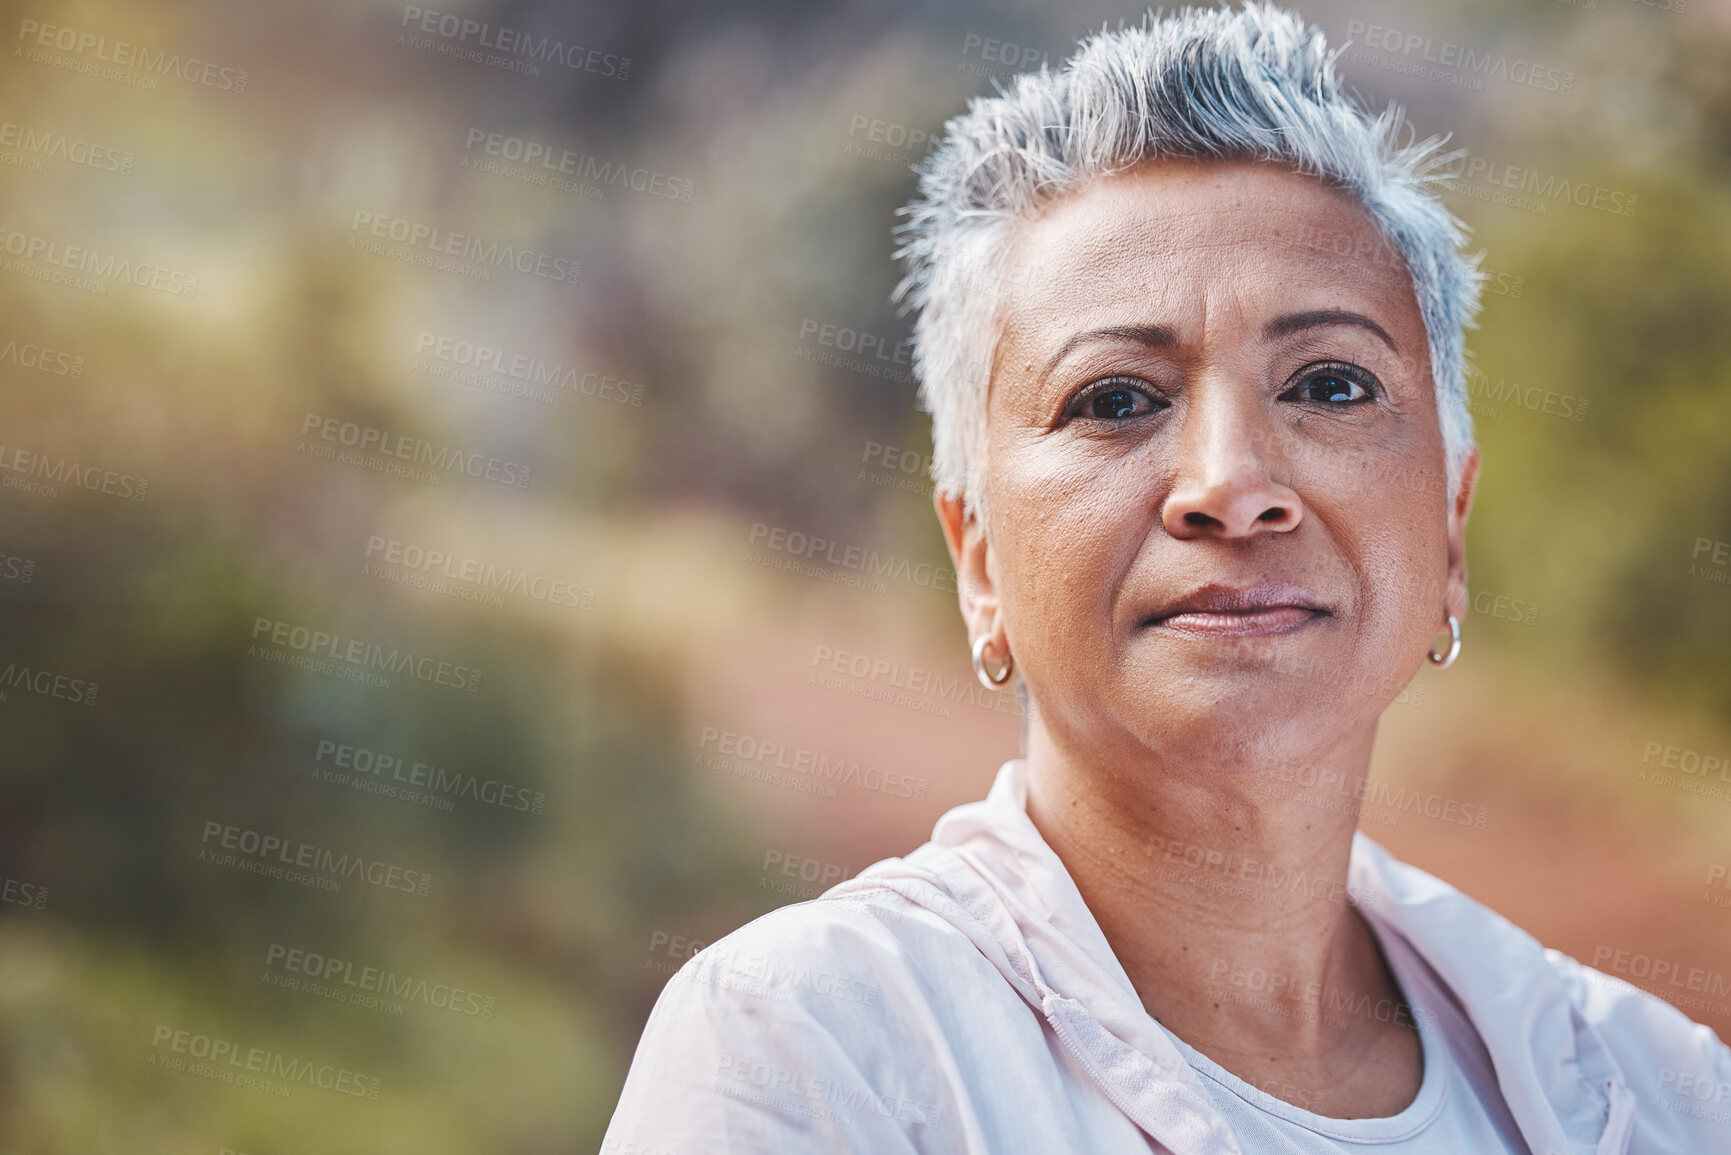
[(1223, 486)]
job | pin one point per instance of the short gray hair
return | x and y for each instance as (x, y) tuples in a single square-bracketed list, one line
[(1255, 83)]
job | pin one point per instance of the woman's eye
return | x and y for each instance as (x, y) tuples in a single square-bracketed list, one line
[(1115, 400), (1333, 385)]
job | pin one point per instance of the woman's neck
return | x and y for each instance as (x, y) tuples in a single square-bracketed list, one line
[(1222, 889)]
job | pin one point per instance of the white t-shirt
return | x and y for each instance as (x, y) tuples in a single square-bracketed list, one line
[(1459, 1107)]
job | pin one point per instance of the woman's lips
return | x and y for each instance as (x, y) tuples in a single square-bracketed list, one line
[(1220, 611), (1239, 624)]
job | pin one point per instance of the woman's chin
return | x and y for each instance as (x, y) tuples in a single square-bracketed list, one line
[(1235, 710)]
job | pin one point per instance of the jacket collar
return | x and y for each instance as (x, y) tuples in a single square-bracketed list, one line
[(1558, 1078), (988, 871)]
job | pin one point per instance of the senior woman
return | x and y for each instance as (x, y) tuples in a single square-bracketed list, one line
[(1191, 338)]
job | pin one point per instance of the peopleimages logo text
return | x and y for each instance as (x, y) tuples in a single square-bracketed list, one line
[(470, 571), (1460, 58), (264, 1064), (464, 246), (526, 46), (44, 143), (378, 981), (852, 557), (275, 850), (361, 653), (420, 451), (96, 263), (122, 54)]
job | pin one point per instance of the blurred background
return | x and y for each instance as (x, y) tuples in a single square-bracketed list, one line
[(417, 424)]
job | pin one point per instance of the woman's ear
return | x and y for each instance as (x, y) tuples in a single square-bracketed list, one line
[(971, 554), (1459, 508)]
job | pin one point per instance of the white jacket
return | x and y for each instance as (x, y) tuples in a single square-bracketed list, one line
[(963, 999)]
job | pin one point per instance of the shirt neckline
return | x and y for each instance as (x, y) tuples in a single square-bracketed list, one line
[(1425, 1107)]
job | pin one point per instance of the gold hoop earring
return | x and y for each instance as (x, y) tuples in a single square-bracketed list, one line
[(1444, 661), (986, 679)]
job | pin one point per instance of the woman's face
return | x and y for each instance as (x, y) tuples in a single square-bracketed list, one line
[(1220, 523)]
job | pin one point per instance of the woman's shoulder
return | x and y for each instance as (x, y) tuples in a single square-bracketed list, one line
[(888, 963), (821, 1025), (846, 945), (1654, 1041), (1643, 1031)]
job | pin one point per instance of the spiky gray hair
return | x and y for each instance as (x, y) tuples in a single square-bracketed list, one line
[(1255, 83)]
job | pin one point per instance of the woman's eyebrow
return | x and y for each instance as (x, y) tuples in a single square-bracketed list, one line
[(1153, 336), (1296, 322)]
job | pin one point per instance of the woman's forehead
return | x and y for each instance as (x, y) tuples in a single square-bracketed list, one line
[(1163, 233)]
